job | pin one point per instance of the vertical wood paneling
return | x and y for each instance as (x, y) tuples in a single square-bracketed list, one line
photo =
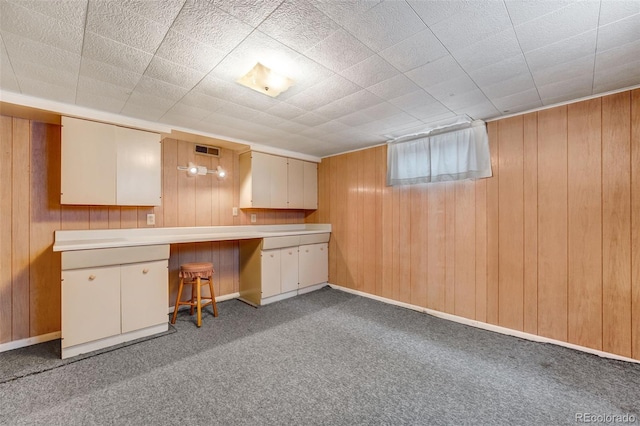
[(368, 229), (381, 167), (204, 192), (511, 223), (635, 222), (450, 247), (98, 217), (186, 199), (465, 250), (114, 217), (332, 183), (225, 189), (351, 252), (44, 314), (552, 223), (359, 225), (20, 229), (481, 249), (436, 235), (170, 182), (585, 224), (6, 173), (616, 230), (387, 241), (493, 247), (341, 221), (419, 251), (404, 246), (530, 193), (128, 217)]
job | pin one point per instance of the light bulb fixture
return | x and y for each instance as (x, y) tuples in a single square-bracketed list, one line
[(265, 81), (194, 170)]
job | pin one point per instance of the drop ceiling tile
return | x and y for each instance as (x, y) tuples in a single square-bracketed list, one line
[(394, 87), (453, 87), (436, 72), (234, 92), (619, 56), (201, 101), (27, 50), (184, 50), (432, 12), (146, 107), (475, 22), (355, 102), (355, 119), (419, 49), (615, 10), (41, 28), (619, 33), (333, 126), (160, 89), (285, 111), (177, 119), (343, 11), (99, 102), (8, 80), (428, 111), (162, 11), (189, 111), (577, 86), (413, 100), (393, 123), (45, 90), (109, 19), (488, 51), (437, 118), (510, 86), (251, 12), (624, 75), (564, 71), (173, 73), (339, 51), (69, 12), (570, 21), (88, 87), (210, 25), (507, 104), (115, 54), (298, 25), (310, 119), (463, 100), (45, 74), (382, 111), (481, 111), (371, 71), (100, 71), (522, 11), (500, 71), (385, 24), (565, 50), (290, 126), (325, 92)]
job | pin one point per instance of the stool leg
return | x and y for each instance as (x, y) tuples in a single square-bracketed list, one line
[(193, 296), (177, 305), (199, 305), (213, 297)]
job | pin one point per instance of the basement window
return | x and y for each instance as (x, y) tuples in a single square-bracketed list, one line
[(453, 152)]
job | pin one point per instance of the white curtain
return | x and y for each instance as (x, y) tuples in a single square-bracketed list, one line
[(457, 155)]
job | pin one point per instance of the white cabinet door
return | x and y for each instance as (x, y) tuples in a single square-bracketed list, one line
[(139, 168), (271, 277), (295, 183), (88, 163), (310, 186), (289, 269), (313, 264), (278, 182), (144, 294), (260, 175), (90, 304)]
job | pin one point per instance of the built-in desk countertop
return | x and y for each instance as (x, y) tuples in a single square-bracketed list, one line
[(68, 240)]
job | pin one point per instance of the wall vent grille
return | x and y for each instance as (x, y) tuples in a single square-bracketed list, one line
[(212, 151)]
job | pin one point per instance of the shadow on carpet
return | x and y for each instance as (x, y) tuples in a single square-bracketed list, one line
[(45, 356)]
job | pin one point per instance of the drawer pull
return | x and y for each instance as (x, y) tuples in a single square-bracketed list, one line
[(92, 277), (145, 271)]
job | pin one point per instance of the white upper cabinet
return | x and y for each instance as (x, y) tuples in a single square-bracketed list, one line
[(104, 164), (273, 182)]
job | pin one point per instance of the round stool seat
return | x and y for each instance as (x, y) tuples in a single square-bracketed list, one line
[(196, 269)]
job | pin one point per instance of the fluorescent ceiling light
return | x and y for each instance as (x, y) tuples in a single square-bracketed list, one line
[(266, 81)]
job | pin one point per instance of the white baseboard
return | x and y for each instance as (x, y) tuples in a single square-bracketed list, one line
[(16, 344), (485, 326)]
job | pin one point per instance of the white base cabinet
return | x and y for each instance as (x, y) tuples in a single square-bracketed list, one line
[(272, 269), (110, 296)]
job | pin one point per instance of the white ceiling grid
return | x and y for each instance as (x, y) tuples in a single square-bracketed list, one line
[(364, 70)]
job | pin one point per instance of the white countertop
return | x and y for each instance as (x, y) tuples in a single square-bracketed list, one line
[(111, 238)]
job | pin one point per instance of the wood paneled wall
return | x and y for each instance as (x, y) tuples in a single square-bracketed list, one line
[(550, 245), (30, 212)]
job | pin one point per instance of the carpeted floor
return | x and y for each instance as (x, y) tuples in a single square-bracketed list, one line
[(326, 357)]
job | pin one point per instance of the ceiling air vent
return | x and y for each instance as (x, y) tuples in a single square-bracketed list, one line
[(208, 150)]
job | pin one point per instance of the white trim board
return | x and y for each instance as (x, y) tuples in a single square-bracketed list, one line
[(23, 343), (485, 326)]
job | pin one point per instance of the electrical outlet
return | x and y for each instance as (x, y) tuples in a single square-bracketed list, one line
[(253, 218), (235, 211), (151, 219)]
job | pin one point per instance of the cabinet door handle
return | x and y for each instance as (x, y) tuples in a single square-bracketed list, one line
[(307, 250), (145, 271), (92, 277), (271, 255), (321, 248), (290, 252)]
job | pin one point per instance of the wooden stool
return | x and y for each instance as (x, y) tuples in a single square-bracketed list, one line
[(197, 274)]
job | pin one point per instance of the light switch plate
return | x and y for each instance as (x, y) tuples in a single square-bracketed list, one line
[(235, 211), (253, 218), (151, 219)]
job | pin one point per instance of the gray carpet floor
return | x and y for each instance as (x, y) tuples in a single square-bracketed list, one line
[(326, 357)]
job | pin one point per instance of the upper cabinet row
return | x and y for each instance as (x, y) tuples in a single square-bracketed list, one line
[(273, 182), (103, 164)]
